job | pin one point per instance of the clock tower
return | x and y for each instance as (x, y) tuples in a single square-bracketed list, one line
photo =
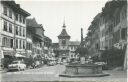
[(63, 38), (63, 43)]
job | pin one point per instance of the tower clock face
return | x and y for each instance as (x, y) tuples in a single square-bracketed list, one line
[(64, 42)]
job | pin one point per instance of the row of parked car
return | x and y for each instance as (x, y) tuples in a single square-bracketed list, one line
[(20, 65)]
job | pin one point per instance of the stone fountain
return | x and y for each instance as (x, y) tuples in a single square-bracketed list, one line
[(83, 70)]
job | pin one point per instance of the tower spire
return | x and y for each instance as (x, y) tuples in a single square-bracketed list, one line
[(64, 26)]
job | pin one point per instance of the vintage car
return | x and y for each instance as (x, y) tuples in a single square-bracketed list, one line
[(17, 65)]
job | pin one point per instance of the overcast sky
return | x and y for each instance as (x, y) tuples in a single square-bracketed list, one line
[(51, 14)]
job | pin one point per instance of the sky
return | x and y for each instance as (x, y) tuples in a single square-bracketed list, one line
[(51, 14)]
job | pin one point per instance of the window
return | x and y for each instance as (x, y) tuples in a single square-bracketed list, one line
[(16, 17), (20, 44), (23, 44), (10, 27), (27, 46), (23, 20), (24, 32), (4, 41), (11, 43), (5, 11), (20, 31), (16, 43), (16, 30), (5, 26), (10, 13), (7, 42), (20, 18)]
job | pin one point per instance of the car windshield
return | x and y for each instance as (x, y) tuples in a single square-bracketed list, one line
[(15, 62)]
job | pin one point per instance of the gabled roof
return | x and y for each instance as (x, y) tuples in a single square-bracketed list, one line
[(74, 43), (33, 23)]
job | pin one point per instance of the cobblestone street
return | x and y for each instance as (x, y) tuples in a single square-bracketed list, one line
[(50, 73)]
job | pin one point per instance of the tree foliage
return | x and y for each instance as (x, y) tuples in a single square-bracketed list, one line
[(83, 51)]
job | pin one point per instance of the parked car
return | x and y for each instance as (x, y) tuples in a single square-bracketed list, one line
[(18, 65), (51, 63), (60, 62)]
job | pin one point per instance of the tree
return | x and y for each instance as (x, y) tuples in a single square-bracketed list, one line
[(83, 51)]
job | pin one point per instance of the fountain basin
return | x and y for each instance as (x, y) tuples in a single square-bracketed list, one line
[(83, 70)]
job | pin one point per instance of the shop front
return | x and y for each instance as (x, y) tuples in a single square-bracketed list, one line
[(8, 57)]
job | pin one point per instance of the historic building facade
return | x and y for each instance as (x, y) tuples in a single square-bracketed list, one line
[(93, 36), (111, 27), (13, 28), (48, 51), (35, 38), (73, 45)]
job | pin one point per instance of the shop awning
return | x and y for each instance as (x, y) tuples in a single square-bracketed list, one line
[(8, 53)]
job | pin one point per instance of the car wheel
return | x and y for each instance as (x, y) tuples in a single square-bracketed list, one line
[(24, 68)]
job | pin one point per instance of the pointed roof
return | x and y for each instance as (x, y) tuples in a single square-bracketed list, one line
[(64, 32)]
